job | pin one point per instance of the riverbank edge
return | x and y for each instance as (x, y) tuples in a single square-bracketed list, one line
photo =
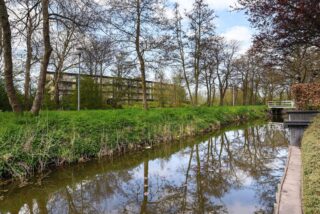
[(288, 196), (192, 122), (311, 168)]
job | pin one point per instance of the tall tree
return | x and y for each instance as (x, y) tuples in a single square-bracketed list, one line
[(122, 89), (225, 53), (209, 64), (301, 65), (32, 23), (45, 58), (181, 44), (61, 49), (98, 54), (25, 23), (7, 54), (73, 20), (249, 69), (140, 24), (140, 53), (201, 19)]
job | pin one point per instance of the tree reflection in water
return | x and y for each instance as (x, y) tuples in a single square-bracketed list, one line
[(234, 172)]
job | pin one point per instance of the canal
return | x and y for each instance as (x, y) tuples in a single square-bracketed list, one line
[(235, 170)]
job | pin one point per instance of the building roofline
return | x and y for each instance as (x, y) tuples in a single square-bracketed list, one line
[(103, 76)]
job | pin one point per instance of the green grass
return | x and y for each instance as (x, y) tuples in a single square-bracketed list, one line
[(311, 168), (30, 144)]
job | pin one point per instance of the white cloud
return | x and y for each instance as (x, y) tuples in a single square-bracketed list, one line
[(184, 4), (242, 34), (169, 13), (222, 4)]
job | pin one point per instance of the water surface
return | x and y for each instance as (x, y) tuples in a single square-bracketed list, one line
[(234, 171)]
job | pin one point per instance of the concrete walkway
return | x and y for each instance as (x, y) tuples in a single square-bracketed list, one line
[(289, 196)]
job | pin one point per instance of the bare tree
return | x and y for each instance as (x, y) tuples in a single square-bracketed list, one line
[(72, 20), (180, 36), (122, 86), (208, 65), (140, 25), (249, 68), (32, 23), (26, 22), (225, 69), (98, 54), (61, 51), (201, 19), (301, 65)]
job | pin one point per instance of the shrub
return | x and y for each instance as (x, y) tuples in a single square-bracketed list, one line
[(311, 168), (4, 102), (306, 96)]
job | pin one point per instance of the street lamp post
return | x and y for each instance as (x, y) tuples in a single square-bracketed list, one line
[(79, 75), (233, 96)]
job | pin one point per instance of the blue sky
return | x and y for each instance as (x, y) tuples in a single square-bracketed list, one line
[(233, 25)]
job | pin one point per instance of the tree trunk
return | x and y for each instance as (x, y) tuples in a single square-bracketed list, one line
[(213, 95), (245, 92), (7, 49), (256, 94), (140, 57), (208, 94), (28, 65), (182, 53), (196, 74), (196, 92), (220, 87), (252, 91), (57, 78), (222, 91), (197, 63), (57, 92), (221, 102), (101, 77), (45, 60), (236, 90), (208, 88), (185, 74)]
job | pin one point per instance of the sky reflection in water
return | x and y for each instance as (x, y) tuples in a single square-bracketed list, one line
[(233, 172)]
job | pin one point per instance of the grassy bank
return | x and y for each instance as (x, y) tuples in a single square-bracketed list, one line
[(311, 168), (29, 145)]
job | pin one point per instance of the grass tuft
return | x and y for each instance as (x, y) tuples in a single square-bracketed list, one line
[(30, 144)]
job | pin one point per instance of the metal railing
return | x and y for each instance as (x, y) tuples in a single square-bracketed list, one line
[(288, 104), (276, 126)]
